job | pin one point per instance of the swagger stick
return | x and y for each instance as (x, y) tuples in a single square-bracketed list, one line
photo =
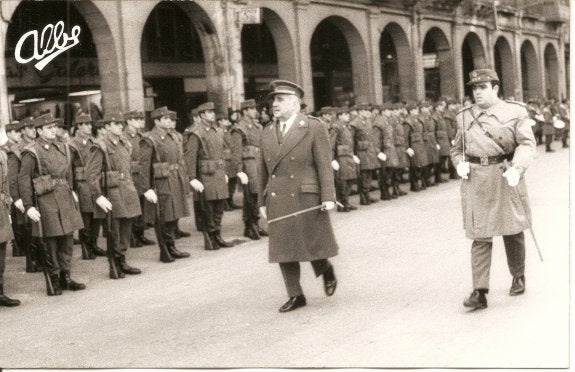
[(299, 212)]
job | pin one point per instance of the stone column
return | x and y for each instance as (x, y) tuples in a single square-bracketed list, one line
[(376, 88), (456, 41), (233, 48), (303, 53), (417, 50), (5, 108)]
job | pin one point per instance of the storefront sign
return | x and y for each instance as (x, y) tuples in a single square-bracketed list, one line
[(249, 15), (75, 71), (52, 42)]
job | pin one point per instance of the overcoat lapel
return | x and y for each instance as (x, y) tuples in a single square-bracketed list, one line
[(297, 132)]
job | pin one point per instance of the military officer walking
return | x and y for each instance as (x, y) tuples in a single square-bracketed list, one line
[(46, 176), (109, 174), (495, 200), (296, 175)]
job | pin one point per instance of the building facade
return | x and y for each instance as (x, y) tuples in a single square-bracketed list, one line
[(143, 54)]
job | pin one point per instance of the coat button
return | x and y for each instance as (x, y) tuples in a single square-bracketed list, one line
[(292, 195), (292, 158), (273, 176), (273, 194), (291, 176)]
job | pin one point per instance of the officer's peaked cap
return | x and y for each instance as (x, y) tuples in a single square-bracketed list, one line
[(285, 87), (482, 75)]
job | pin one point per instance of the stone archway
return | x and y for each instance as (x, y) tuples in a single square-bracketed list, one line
[(396, 64), (531, 81), (339, 63), (438, 66), (267, 54), (505, 68), (473, 57), (551, 72)]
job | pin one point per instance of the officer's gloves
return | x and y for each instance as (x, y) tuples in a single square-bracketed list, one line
[(512, 175), (356, 159), (335, 165), (381, 156), (197, 185), (243, 178), (410, 152), (75, 196), (463, 169), (20, 205), (151, 196), (33, 214), (104, 203), (327, 205), (437, 146), (263, 212)]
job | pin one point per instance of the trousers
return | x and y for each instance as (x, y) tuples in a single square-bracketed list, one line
[(291, 273)]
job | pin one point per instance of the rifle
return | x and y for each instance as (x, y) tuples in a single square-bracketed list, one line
[(43, 256), (159, 229), (247, 208), (208, 242), (110, 241)]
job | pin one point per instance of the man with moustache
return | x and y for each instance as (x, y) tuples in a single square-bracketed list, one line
[(295, 174)]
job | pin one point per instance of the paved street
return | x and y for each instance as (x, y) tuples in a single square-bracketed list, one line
[(403, 271)]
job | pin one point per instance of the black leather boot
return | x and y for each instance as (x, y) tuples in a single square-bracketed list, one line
[(127, 269), (362, 199), (251, 232), (260, 230), (220, 241), (145, 241), (97, 251), (165, 255), (174, 252), (67, 283), (517, 286), (87, 254), (55, 283), (115, 271), (5, 300), (181, 234), (476, 300)]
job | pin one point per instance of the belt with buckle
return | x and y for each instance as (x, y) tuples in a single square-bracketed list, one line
[(60, 181), (488, 160)]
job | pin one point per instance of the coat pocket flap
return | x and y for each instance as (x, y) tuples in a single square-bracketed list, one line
[(314, 189)]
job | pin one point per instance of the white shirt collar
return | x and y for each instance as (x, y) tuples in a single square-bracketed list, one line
[(288, 122)]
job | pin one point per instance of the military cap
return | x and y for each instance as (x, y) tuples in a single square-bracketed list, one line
[(161, 112), (134, 114), (250, 103), (205, 107), (424, 104), (83, 119), (27, 122), (220, 116), (285, 87), (60, 123), (342, 110), (15, 125), (45, 119), (327, 110), (388, 106), (195, 112), (113, 116), (410, 106), (363, 106), (482, 75), (452, 101), (98, 124)]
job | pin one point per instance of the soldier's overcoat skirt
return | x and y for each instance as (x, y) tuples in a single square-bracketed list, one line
[(490, 206), (6, 233), (294, 176)]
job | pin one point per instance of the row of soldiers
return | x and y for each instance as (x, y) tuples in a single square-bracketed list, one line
[(550, 120), (114, 174), (382, 141)]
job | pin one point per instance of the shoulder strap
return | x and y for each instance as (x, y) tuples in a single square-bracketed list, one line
[(486, 132)]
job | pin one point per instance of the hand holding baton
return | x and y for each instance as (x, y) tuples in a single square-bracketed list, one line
[(300, 212)]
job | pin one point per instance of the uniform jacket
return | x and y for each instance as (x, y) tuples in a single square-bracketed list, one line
[(14, 156), (490, 206), (60, 214), (80, 146), (6, 233), (387, 142), (442, 133), (342, 147), (366, 146), (230, 168), (159, 146), (414, 130), (399, 142), (246, 138), (135, 137), (204, 159), (296, 175), (548, 128), (113, 153), (429, 137)]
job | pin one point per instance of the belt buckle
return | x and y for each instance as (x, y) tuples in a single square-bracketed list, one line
[(484, 160)]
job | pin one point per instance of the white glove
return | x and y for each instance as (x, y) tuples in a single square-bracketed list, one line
[(33, 214), (227, 179), (104, 203), (263, 212), (512, 176), (10, 219), (20, 205), (335, 165), (243, 178), (437, 146), (197, 185), (381, 156), (463, 169), (75, 196), (452, 142), (410, 152), (327, 205), (151, 196), (356, 159)]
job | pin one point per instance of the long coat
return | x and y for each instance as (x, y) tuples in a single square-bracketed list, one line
[(429, 137), (414, 132), (14, 154), (113, 153), (80, 146), (294, 175), (387, 141), (60, 214), (159, 146), (490, 206), (342, 147), (246, 150), (135, 137), (399, 142), (442, 134), (6, 233), (366, 146)]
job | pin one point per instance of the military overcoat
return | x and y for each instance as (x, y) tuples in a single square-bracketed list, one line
[(414, 130), (295, 174), (442, 134), (399, 142), (60, 213), (14, 154), (113, 154), (246, 137), (80, 146), (429, 137), (342, 148), (135, 137), (386, 142), (6, 233), (366, 145), (490, 206)]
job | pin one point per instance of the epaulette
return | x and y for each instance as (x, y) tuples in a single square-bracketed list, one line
[(464, 109), (98, 144), (516, 102)]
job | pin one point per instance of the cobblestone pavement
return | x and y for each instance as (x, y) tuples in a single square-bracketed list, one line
[(403, 271)]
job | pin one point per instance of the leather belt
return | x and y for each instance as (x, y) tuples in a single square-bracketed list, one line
[(60, 181), (489, 160), (174, 167)]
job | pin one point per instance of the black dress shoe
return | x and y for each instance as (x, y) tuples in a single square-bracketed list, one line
[(293, 303), (146, 241), (329, 281), (182, 234), (67, 283), (175, 253), (221, 242), (7, 301), (127, 269), (350, 207), (517, 286), (476, 300), (262, 232), (251, 232), (97, 251)]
